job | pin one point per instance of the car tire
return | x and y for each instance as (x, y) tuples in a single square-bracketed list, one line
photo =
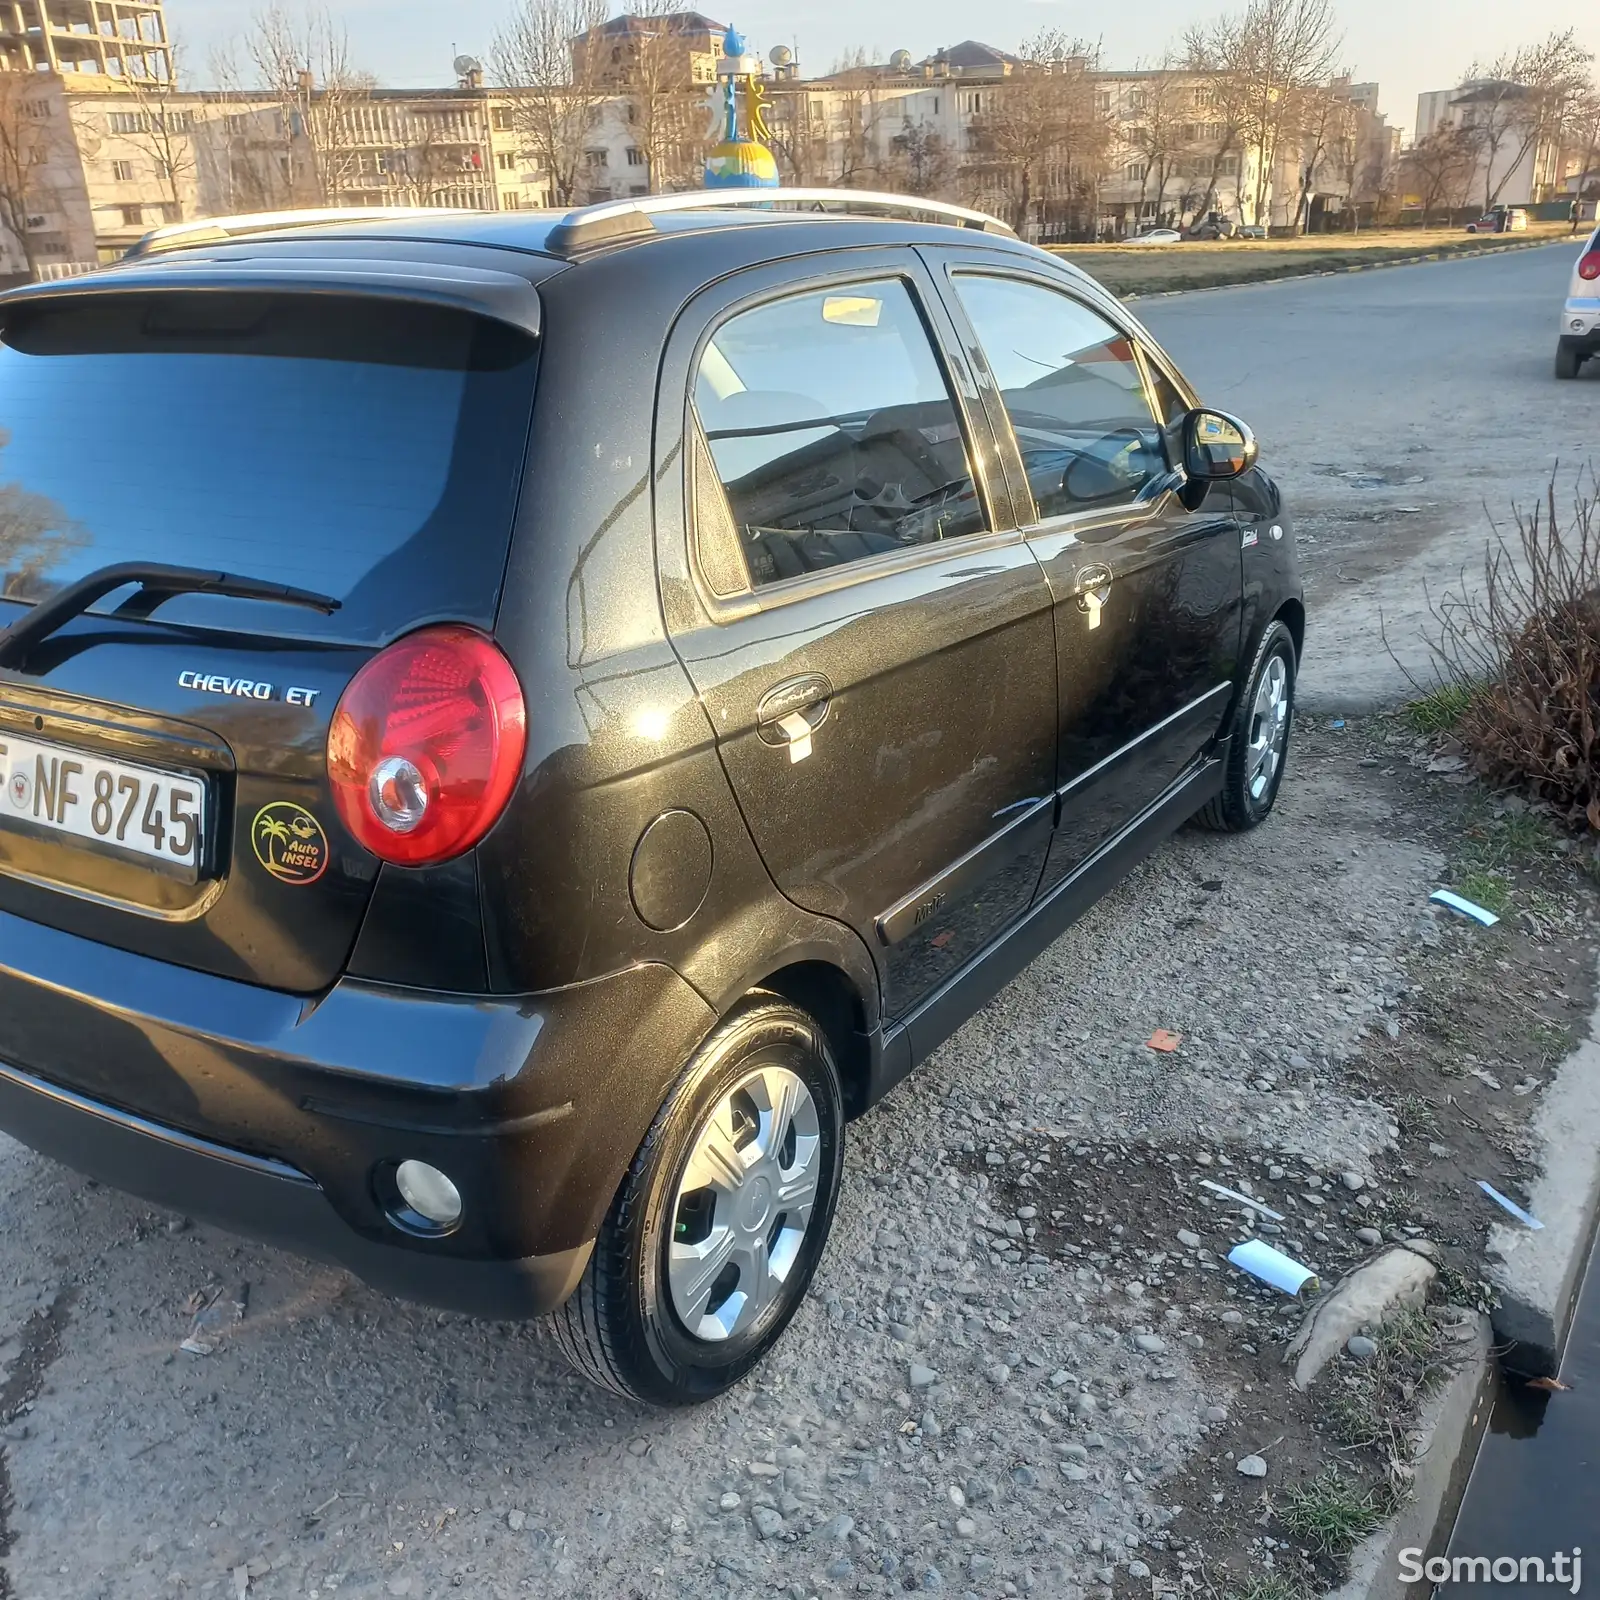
[(1258, 746), (1568, 361), (647, 1320)]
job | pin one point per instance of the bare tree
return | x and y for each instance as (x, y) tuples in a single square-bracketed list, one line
[(1518, 100), (553, 91), (920, 162), (853, 141), (1583, 140), (1379, 179), (798, 143), (35, 534), (242, 157), (1162, 133), (304, 65), (665, 107), (26, 131), (1440, 166), (1043, 142), (165, 134), (1324, 124), (1211, 54), (1273, 53), (424, 164)]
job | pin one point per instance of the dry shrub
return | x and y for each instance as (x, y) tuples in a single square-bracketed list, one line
[(1523, 651)]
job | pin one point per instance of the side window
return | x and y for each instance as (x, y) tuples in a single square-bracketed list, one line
[(1172, 409), (832, 430), (1172, 406), (1073, 390)]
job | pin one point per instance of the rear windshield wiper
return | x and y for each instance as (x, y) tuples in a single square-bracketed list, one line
[(157, 582)]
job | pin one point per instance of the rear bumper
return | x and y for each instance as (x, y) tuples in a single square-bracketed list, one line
[(268, 1201), (1580, 324), (282, 1117)]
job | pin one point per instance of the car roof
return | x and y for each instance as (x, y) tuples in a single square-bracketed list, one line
[(488, 262), (542, 232)]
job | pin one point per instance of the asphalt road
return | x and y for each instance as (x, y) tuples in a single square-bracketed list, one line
[(1401, 409), (337, 1443), (1536, 1481)]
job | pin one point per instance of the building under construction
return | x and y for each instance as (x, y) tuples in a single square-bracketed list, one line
[(110, 38)]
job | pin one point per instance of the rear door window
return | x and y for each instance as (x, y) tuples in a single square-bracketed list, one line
[(833, 431), (362, 448)]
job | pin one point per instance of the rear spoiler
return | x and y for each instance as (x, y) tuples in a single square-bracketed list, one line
[(224, 230), (501, 296)]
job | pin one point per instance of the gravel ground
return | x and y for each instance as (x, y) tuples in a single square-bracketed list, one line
[(954, 1410), (950, 1409)]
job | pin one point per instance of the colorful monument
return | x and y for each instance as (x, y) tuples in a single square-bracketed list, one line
[(737, 162)]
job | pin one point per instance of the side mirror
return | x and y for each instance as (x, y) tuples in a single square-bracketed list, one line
[(1216, 446)]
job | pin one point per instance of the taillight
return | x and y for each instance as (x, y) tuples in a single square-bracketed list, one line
[(1589, 265), (426, 746)]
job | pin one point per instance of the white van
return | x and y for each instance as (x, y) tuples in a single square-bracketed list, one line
[(1580, 316)]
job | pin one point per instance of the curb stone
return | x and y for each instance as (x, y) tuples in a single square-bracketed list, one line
[(1538, 1274), (1452, 1422)]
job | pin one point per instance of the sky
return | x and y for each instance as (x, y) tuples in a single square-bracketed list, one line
[(1406, 46)]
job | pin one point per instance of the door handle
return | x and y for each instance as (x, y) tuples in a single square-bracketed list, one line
[(797, 730), (792, 711), (1094, 589)]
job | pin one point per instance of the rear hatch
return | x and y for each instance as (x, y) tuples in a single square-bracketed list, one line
[(164, 754)]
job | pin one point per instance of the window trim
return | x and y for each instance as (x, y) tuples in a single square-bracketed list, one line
[(754, 598), (1032, 524)]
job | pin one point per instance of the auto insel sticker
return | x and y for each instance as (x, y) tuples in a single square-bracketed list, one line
[(289, 842)]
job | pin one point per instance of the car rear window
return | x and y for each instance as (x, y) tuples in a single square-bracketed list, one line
[(367, 449)]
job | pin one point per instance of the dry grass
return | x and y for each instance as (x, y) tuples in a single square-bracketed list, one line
[(1520, 657), (1157, 268)]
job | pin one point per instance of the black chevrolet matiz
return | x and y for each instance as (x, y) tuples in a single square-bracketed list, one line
[(515, 729)]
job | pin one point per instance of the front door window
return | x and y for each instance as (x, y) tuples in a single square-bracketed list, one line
[(1073, 391)]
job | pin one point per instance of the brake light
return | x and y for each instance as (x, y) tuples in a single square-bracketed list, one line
[(1589, 266), (426, 746)]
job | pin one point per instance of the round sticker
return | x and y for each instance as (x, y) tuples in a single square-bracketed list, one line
[(289, 842)]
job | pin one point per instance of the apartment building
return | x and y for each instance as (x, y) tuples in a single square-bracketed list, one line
[(682, 44), (114, 147), (1163, 156), (106, 163), (1514, 162)]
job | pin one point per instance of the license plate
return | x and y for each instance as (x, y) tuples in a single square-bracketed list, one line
[(133, 810)]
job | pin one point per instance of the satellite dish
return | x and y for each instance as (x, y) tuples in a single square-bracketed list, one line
[(780, 55), (465, 66), (901, 61)]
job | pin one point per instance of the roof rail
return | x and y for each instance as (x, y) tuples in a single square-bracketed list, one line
[(215, 230), (620, 219)]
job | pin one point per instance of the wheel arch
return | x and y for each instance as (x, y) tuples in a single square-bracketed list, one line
[(1292, 614), (828, 993)]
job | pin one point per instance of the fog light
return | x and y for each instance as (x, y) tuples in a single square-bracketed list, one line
[(1577, 324), (428, 1192)]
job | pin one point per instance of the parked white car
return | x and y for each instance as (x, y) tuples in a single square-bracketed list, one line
[(1580, 316), (1157, 236)]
